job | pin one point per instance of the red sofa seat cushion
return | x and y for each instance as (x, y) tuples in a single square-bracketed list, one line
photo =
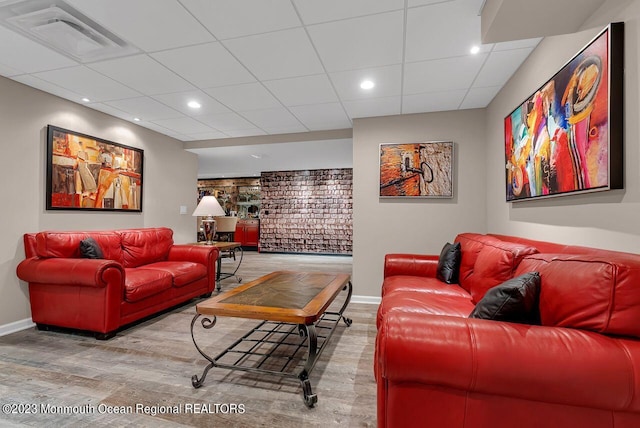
[(428, 303), (421, 285), (183, 273), (597, 292), (142, 283), (67, 244), (486, 262), (144, 246)]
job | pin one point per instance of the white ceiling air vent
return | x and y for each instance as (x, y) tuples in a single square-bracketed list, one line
[(59, 26)]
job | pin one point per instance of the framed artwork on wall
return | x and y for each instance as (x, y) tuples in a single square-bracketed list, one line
[(420, 170), (88, 173), (567, 137)]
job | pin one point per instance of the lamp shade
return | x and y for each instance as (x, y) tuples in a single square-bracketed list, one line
[(208, 206)]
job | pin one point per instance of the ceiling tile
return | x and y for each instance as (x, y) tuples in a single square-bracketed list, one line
[(434, 23), (517, 44), (322, 116), (500, 66), (145, 23), (7, 71), (179, 101), (34, 82), (479, 97), (314, 12), (277, 55), (227, 19), (162, 130), (373, 107), (21, 54), (387, 82), (288, 130), (211, 135), (303, 90), (432, 101), (246, 132), (205, 65), (444, 74), (273, 120), (87, 83), (144, 108), (183, 125), (249, 96), (144, 74), (414, 3), (104, 108), (369, 41), (226, 122)]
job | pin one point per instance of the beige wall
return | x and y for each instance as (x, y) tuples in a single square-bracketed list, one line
[(382, 226), (603, 219), (170, 177)]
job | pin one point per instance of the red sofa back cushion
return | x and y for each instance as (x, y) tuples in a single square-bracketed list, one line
[(597, 291), (487, 261), (67, 244), (144, 246)]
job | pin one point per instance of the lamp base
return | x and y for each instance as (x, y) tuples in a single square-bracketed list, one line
[(209, 225)]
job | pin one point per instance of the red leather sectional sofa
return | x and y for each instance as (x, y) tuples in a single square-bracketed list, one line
[(435, 367), (142, 273)]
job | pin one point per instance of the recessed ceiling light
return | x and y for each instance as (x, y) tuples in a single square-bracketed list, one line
[(367, 84), (86, 100), (475, 49), (194, 104), (136, 119)]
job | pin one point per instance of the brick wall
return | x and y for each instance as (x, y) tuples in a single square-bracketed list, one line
[(307, 211)]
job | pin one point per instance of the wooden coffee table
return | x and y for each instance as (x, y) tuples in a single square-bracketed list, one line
[(293, 307)]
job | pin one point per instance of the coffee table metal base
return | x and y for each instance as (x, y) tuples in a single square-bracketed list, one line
[(264, 348)]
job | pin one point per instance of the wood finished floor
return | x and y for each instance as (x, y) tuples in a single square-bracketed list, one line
[(151, 364)]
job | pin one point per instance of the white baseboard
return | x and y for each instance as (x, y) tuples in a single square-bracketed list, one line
[(15, 326), (366, 299)]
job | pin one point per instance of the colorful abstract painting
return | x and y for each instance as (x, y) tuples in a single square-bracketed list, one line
[(567, 137), (87, 173), (416, 170)]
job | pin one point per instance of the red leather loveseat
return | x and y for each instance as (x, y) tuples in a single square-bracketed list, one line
[(580, 367), (142, 273)]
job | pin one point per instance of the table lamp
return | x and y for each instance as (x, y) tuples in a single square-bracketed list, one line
[(208, 208)]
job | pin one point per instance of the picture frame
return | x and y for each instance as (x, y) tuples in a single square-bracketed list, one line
[(567, 137), (86, 173), (416, 170)]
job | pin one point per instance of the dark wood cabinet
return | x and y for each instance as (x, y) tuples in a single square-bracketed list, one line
[(248, 232)]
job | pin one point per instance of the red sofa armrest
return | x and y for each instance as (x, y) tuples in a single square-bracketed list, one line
[(84, 294), (410, 264), (84, 272), (206, 255), (539, 363)]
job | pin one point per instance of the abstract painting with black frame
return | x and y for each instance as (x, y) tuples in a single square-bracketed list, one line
[(89, 173), (567, 137), (416, 170)]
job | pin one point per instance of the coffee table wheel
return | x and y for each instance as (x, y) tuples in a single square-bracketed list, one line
[(347, 321), (239, 280), (310, 399)]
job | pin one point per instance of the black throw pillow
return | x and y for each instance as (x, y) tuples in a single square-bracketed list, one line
[(515, 300), (89, 249), (449, 263)]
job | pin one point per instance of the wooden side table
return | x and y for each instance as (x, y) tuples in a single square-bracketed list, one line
[(226, 250)]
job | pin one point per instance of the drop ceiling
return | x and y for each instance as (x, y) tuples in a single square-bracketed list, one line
[(271, 67)]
